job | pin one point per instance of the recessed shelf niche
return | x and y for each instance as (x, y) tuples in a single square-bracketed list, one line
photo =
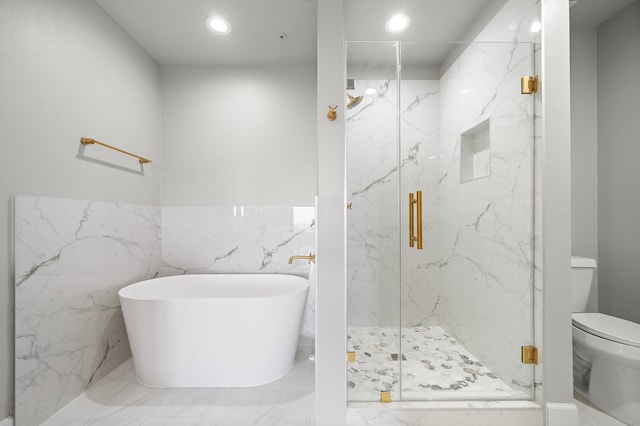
[(475, 153)]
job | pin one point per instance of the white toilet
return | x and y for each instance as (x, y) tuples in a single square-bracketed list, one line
[(606, 352)]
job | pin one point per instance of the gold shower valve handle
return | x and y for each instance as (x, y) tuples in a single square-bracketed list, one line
[(332, 114)]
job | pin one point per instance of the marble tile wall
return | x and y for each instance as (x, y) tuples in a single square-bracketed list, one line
[(226, 239), (372, 223), (71, 258), (373, 238), (487, 223)]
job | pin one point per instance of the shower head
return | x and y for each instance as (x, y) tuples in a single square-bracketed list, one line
[(353, 101)]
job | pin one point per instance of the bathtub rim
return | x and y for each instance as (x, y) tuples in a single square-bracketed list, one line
[(304, 286)]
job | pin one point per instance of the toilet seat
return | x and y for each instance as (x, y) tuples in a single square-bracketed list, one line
[(607, 327)]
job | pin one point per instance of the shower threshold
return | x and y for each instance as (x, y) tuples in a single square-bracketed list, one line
[(434, 365)]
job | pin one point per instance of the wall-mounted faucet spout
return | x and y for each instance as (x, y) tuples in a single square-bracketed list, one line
[(310, 257)]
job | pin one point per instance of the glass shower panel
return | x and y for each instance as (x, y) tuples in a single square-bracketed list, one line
[(445, 317), (373, 239), (466, 142)]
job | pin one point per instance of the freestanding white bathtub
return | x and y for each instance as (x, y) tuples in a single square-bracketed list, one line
[(217, 330)]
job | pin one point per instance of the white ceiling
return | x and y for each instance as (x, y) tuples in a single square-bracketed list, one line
[(173, 32), (431, 20), (591, 13)]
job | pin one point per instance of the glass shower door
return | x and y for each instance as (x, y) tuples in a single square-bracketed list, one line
[(446, 124), (466, 143), (373, 234)]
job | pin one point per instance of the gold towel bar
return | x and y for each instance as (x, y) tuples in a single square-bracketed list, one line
[(88, 141)]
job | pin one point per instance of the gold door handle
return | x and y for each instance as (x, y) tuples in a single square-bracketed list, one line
[(412, 237), (417, 202), (419, 221)]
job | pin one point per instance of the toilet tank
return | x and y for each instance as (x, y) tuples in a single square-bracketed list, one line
[(582, 269)]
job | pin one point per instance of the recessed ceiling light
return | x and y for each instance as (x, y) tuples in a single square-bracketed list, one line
[(397, 23), (536, 27), (218, 25)]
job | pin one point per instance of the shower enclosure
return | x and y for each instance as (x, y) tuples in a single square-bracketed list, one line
[(440, 193)]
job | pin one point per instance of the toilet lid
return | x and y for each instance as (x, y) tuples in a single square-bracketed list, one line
[(608, 327)]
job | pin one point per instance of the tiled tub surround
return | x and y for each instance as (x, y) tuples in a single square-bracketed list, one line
[(71, 258), (433, 366), (225, 239)]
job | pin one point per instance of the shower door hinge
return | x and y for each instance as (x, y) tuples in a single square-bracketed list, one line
[(529, 355), (529, 84), (351, 357), (385, 396)]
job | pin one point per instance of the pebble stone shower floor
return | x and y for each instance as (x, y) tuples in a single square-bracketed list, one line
[(435, 366)]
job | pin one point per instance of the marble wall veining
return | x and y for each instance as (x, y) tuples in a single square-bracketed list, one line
[(71, 258), (474, 275), (373, 238), (486, 250), (241, 239)]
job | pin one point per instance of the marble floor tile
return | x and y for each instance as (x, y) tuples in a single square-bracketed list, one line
[(118, 399), (233, 407), (591, 416), (285, 409), (171, 421), (185, 402)]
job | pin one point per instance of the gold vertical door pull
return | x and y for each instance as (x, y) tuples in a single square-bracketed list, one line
[(419, 221), (417, 201), (411, 235)]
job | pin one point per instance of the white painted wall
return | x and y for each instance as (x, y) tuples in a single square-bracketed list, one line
[(618, 172), (556, 208), (331, 324), (69, 71), (239, 135), (584, 146)]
